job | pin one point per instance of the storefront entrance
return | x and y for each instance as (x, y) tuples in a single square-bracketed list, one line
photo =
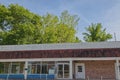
[(63, 70)]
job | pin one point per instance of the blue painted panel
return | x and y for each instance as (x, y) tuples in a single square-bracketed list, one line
[(3, 76), (50, 76), (16, 76), (43, 76), (12, 76), (32, 76)]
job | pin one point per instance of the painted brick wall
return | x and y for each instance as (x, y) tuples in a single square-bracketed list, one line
[(61, 53), (96, 69)]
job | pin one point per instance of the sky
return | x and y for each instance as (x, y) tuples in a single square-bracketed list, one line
[(106, 12)]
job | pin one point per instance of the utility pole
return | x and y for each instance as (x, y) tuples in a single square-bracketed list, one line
[(115, 36)]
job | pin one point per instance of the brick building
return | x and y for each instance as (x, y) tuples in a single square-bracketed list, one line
[(61, 61)]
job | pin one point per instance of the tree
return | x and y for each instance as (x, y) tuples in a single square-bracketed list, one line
[(20, 26), (54, 31), (70, 20), (95, 33)]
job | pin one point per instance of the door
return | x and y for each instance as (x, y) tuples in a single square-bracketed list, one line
[(80, 71), (62, 71)]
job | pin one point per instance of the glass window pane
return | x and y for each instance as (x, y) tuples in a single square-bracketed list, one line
[(33, 70), (22, 67), (79, 68), (1, 68), (60, 67), (66, 71), (44, 69), (29, 69), (66, 67), (60, 71), (38, 69), (41, 68), (60, 74), (15, 68), (51, 69), (66, 74), (7, 67)]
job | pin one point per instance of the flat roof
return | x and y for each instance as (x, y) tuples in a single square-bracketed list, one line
[(61, 46)]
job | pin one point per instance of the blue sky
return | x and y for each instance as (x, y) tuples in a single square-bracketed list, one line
[(106, 12)]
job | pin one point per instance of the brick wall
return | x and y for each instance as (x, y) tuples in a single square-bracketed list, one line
[(96, 69), (68, 53)]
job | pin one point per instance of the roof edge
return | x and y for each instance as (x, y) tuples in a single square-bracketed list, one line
[(57, 46)]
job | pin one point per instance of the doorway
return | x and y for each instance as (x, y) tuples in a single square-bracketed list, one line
[(62, 70), (80, 71)]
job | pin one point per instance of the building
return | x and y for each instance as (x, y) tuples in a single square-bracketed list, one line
[(95, 60)]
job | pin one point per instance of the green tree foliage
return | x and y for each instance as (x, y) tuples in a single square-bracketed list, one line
[(54, 31), (95, 33), (70, 20), (20, 26)]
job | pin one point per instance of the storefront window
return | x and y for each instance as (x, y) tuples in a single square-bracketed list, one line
[(22, 67), (44, 69), (7, 67), (33, 69), (41, 68), (1, 68), (14, 68), (4, 68), (29, 69), (51, 69), (38, 69)]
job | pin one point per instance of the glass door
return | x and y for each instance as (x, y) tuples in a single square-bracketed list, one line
[(66, 71), (60, 70), (63, 71)]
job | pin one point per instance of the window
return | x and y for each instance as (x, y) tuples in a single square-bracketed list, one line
[(41, 68), (6, 67), (38, 69), (44, 69), (14, 68), (34, 68), (51, 69), (1, 68), (17, 68), (79, 68)]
